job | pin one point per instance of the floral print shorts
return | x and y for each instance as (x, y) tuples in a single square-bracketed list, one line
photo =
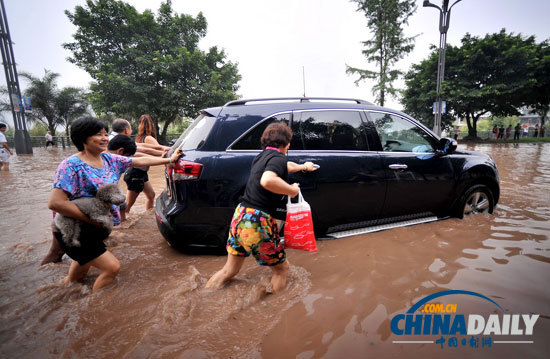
[(254, 231)]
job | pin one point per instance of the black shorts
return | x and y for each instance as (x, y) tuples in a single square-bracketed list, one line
[(135, 179), (91, 244)]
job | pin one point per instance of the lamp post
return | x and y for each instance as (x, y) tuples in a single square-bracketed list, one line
[(444, 17), (22, 139)]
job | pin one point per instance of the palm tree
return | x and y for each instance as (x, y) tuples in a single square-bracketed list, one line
[(43, 92), (51, 106), (70, 104)]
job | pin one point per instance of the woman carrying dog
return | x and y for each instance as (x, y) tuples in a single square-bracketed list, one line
[(137, 178), (80, 175)]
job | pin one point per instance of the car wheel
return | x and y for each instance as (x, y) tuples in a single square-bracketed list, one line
[(477, 199)]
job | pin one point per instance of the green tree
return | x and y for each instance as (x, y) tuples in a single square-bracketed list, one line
[(142, 63), (539, 96), (43, 92), (388, 44), (51, 106), (493, 74), (70, 104), (39, 129)]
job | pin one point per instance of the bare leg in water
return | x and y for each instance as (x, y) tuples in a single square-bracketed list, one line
[(55, 253), (233, 266), (149, 192), (278, 279), (107, 263), (229, 270)]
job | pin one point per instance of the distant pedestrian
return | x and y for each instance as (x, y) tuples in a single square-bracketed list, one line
[(517, 131), (525, 130), (508, 131), (536, 130), (500, 132), (495, 131), (49, 139), (5, 151), (542, 130), (457, 132)]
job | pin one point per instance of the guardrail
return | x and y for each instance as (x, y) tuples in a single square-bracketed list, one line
[(488, 135)]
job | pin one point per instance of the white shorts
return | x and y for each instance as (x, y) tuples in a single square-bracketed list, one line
[(4, 155)]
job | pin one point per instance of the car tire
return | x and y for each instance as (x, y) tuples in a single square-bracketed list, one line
[(476, 199)]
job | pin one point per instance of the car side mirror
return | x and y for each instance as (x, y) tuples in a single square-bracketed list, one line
[(446, 146)]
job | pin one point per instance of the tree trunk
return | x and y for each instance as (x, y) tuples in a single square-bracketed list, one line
[(469, 123), (156, 116), (543, 115), (474, 125), (170, 118), (67, 125)]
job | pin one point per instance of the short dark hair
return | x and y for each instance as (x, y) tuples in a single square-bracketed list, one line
[(120, 125), (125, 142), (2, 125), (86, 127), (276, 134)]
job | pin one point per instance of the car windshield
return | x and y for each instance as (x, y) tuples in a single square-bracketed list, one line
[(195, 135)]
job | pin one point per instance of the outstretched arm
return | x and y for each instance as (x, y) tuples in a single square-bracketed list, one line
[(149, 150), (151, 146), (155, 161), (306, 166)]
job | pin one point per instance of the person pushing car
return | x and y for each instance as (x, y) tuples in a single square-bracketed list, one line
[(256, 221)]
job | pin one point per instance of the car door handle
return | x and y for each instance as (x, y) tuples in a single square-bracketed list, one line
[(398, 167)]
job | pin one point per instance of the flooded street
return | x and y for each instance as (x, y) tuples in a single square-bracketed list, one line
[(338, 303)]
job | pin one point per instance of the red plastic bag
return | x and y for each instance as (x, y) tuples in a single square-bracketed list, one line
[(299, 226)]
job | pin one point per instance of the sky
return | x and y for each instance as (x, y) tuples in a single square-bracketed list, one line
[(276, 44)]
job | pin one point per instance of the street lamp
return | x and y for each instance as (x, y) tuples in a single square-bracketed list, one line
[(22, 139), (444, 17)]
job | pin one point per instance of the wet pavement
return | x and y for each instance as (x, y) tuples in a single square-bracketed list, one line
[(339, 301)]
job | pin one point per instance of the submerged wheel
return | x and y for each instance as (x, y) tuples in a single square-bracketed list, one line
[(477, 199)]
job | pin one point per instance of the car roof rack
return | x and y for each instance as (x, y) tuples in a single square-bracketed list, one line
[(299, 99)]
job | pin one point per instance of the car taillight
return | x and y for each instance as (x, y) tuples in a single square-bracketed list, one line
[(185, 171)]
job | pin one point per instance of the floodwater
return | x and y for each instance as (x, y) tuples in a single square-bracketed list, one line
[(339, 302)]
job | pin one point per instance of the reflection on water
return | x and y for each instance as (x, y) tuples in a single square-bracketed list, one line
[(339, 301)]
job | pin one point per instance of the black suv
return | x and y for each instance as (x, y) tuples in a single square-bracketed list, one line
[(377, 167)]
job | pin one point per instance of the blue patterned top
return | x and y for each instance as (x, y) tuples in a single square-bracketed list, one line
[(79, 179)]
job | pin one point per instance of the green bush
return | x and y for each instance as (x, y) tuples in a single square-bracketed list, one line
[(39, 129)]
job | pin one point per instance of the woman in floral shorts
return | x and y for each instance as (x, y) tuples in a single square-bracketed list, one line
[(254, 231), (257, 219)]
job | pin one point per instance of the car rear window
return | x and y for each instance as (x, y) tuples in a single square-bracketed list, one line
[(252, 140), (195, 135)]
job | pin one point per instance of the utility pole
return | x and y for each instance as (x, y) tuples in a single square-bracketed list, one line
[(304, 79), (22, 139), (444, 18)]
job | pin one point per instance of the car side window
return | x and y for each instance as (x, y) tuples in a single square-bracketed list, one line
[(399, 135), (328, 130), (252, 140)]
